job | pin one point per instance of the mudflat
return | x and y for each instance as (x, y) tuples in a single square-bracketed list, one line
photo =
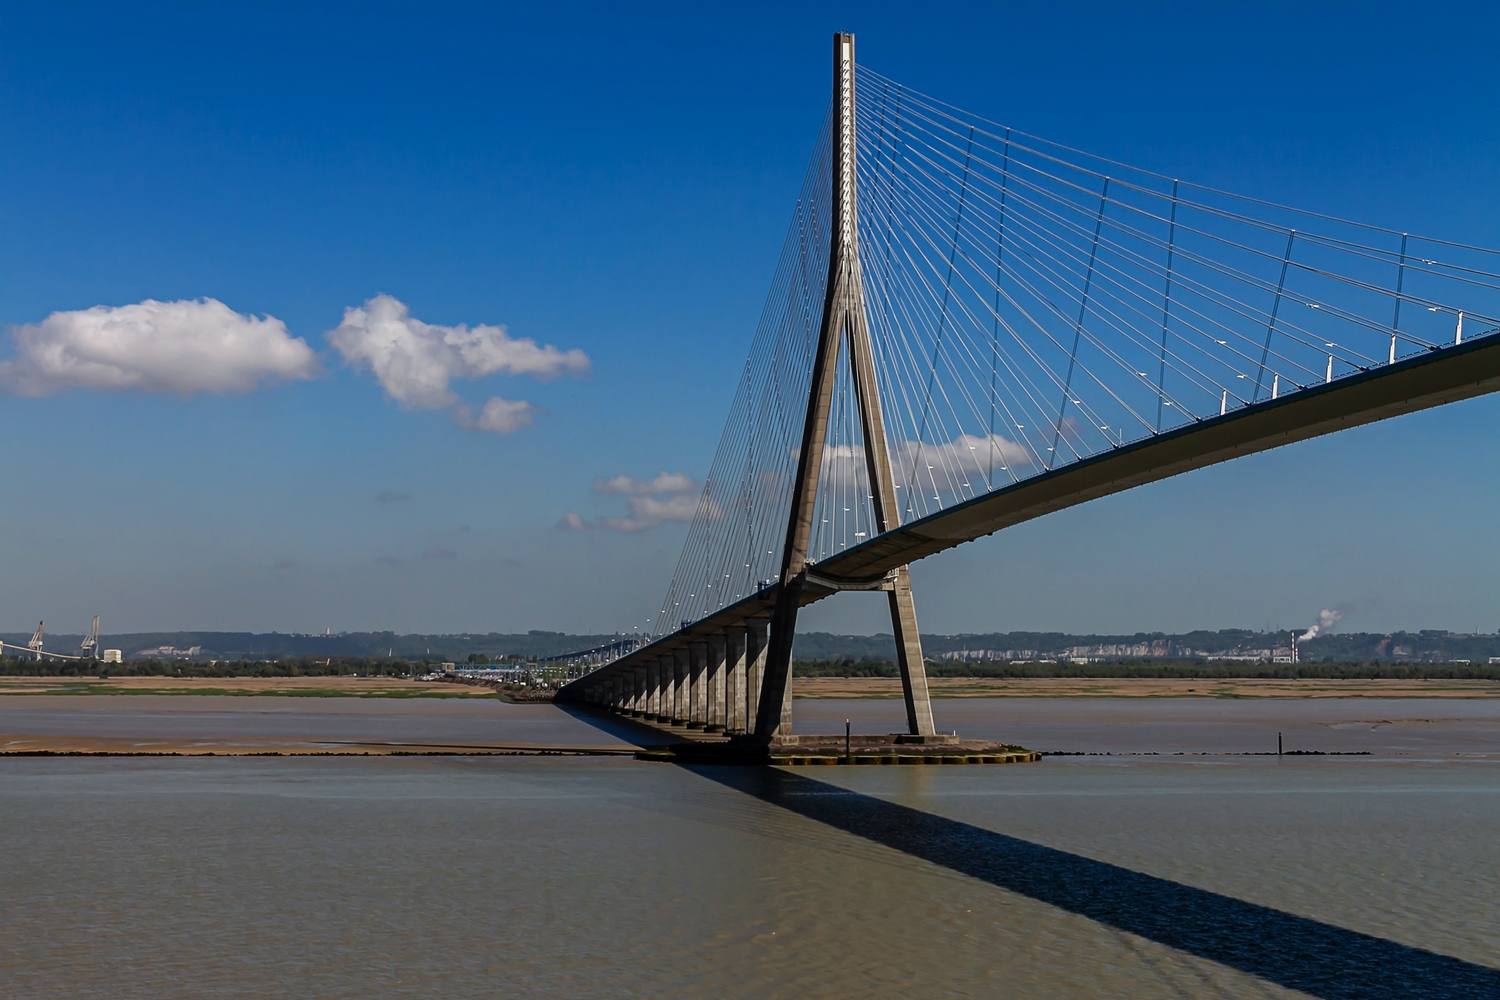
[(1397, 728), (183, 724), (218, 724), (1146, 687), (804, 687), (307, 687)]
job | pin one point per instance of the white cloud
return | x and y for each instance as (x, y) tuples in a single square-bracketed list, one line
[(415, 361), (502, 416), (665, 482), (669, 497), (180, 347), (966, 460), (962, 462), (649, 512)]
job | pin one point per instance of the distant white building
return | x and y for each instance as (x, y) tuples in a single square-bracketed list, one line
[(169, 653), (114, 656)]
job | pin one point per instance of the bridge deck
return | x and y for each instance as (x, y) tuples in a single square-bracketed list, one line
[(1417, 383)]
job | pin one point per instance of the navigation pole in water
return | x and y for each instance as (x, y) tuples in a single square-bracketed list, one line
[(843, 323)]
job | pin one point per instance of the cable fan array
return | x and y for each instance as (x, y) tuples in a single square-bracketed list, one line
[(734, 543), (1032, 305)]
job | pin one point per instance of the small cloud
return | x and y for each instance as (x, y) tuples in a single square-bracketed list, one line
[(185, 347), (415, 361), (669, 496), (439, 554), (282, 565), (391, 496), (953, 465), (648, 512), (500, 416), (388, 560), (665, 482)]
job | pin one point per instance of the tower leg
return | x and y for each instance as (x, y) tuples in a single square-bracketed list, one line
[(909, 657), (773, 714)]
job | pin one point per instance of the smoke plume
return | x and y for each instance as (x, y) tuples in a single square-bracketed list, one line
[(1326, 620)]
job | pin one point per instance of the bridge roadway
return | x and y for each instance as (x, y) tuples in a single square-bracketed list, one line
[(707, 673)]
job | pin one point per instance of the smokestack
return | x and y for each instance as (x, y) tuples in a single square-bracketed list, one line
[(1294, 647)]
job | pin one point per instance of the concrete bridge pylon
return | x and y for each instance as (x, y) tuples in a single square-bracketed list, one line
[(844, 333)]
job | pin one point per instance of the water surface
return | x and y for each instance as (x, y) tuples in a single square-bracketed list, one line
[(482, 877)]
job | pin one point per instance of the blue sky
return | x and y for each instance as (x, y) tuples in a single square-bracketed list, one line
[(616, 182)]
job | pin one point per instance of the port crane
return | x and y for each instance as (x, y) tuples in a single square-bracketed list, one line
[(87, 650)]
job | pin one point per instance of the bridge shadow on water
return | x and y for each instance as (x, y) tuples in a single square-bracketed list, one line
[(1282, 948)]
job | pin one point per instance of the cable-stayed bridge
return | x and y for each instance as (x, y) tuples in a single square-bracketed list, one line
[(969, 327)]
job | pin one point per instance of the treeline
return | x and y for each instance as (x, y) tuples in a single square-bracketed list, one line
[(371, 645), (351, 666), (1186, 669), (15, 666), (1430, 645)]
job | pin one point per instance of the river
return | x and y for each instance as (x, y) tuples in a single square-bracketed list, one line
[(457, 877)]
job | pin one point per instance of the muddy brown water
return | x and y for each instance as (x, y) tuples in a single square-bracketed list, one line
[(1136, 876)]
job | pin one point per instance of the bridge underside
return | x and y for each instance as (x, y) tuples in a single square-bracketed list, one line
[(708, 674)]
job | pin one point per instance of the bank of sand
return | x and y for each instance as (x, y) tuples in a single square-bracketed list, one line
[(805, 687), (303, 687), (197, 723), (1431, 727), (1145, 687)]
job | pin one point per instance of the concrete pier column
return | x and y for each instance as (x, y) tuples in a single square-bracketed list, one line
[(757, 639), (697, 685), (714, 685), (668, 686), (680, 674), (617, 692), (638, 707), (653, 688), (734, 680)]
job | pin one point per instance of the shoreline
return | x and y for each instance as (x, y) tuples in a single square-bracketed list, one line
[(817, 688), (804, 688), (282, 687), (189, 724), (87, 746)]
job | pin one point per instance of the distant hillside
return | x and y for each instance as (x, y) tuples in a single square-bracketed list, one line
[(271, 645), (1426, 646)]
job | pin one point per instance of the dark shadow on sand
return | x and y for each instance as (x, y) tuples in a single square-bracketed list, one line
[(1282, 948), (618, 726)]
